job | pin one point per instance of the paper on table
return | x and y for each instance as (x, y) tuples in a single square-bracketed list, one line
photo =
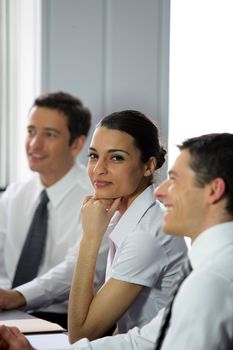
[(49, 341), (33, 325)]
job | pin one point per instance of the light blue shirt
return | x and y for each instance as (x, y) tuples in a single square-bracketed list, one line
[(144, 255)]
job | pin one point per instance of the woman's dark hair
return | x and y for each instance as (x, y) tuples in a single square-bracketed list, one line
[(142, 129), (78, 116)]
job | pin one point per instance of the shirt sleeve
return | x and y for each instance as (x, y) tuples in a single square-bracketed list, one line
[(140, 259), (135, 339), (4, 279), (51, 287), (54, 286), (201, 319)]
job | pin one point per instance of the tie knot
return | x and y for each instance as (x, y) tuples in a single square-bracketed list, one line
[(44, 197)]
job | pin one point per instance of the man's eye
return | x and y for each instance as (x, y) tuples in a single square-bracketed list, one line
[(172, 179), (51, 134), (31, 132)]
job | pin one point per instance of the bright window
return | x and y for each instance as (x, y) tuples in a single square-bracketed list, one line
[(20, 65), (201, 69)]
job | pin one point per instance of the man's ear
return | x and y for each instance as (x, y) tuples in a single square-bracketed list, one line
[(150, 167), (217, 190), (78, 144)]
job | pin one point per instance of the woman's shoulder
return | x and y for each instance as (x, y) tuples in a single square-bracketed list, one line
[(152, 217)]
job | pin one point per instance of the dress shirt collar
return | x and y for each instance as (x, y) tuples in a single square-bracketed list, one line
[(210, 242), (59, 190), (133, 215)]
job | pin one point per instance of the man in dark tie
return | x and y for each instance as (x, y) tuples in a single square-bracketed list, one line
[(198, 197), (39, 218)]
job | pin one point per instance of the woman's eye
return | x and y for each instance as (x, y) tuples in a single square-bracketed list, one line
[(92, 156), (117, 158)]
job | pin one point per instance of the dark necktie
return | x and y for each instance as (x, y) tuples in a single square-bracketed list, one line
[(34, 245), (186, 268)]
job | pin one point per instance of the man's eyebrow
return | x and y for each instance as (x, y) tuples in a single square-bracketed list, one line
[(45, 129), (111, 150)]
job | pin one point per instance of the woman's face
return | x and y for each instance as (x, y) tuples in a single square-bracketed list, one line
[(115, 166)]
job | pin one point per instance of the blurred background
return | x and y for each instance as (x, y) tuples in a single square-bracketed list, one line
[(172, 60)]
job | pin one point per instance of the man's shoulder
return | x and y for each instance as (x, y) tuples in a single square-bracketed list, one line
[(22, 188), (82, 179)]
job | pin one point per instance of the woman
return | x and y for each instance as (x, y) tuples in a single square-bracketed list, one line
[(143, 261)]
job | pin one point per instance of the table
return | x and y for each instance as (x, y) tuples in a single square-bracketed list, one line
[(40, 341), (14, 315)]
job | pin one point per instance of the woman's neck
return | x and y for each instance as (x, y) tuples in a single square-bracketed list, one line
[(128, 200)]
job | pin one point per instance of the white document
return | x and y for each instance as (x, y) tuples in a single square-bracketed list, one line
[(49, 341)]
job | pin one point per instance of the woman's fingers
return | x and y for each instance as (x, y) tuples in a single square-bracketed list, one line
[(114, 206)]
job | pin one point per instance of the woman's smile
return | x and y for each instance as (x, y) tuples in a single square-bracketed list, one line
[(101, 183)]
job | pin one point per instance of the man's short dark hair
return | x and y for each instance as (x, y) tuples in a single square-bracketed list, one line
[(212, 157), (78, 116)]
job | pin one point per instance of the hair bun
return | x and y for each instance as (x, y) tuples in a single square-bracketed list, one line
[(161, 158)]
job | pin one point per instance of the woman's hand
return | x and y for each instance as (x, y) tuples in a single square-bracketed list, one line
[(96, 215)]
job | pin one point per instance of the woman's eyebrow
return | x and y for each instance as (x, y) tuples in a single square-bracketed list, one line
[(111, 150)]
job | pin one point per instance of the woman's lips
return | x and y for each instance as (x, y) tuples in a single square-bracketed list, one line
[(101, 184)]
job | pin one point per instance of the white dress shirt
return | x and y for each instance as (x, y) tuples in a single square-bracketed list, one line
[(49, 291), (144, 255), (202, 314)]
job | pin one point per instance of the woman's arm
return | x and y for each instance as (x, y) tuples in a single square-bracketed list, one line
[(92, 315), (101, 311)]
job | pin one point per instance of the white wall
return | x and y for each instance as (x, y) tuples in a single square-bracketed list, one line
[(113, 54)]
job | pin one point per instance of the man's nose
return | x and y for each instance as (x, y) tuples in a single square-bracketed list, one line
[(161, 190), (37, 142)]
